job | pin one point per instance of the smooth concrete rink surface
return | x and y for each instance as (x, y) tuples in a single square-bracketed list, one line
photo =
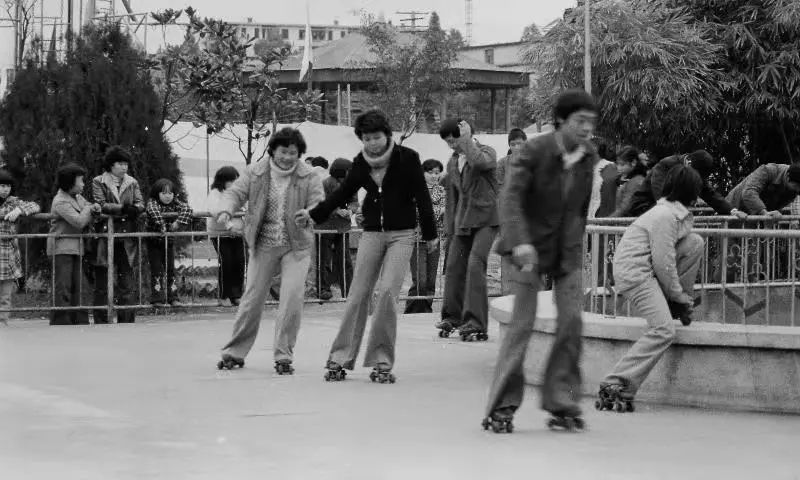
[(145, 401)]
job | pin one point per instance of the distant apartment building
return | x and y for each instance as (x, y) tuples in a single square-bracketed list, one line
[(293, 34)]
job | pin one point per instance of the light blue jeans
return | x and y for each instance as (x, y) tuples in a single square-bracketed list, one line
[(385, 255), (263, 265)]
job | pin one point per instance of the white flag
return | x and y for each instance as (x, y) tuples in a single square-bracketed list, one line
[(308, 52)]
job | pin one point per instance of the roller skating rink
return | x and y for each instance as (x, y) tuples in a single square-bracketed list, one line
[(146, 401)]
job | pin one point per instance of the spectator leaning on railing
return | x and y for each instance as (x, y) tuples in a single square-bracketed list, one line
[(161, 251), (11, 208), (118, 194), (230, 249), (767, 190), (72, 215), (652, 188)]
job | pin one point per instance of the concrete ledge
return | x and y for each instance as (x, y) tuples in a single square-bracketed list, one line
[(743, 367)]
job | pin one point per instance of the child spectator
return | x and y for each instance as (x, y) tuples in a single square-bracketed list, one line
[(72, 215), (424, 262), (516, 139), (632, 174), (161, 251), (230, 249), (11, 208)]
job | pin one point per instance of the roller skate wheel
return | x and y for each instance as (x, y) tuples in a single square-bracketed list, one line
[(630, 407), (578, 423), (619, 407), (486, 424), (598, 405), (220, 365)]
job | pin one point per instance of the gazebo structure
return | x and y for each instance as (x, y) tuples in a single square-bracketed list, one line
[(342, 65)]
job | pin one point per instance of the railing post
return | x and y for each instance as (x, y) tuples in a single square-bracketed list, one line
[(110, 269)]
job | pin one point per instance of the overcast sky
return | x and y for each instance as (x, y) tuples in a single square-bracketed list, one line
[(493, 20)]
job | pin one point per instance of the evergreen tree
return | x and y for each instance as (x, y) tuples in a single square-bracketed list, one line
[(60, 112)]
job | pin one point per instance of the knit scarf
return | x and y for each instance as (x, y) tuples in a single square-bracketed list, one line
[(379, 163)]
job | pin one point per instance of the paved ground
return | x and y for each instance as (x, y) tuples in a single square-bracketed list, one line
[(145, 401)]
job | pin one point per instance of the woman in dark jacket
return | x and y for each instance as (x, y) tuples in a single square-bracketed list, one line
[(396, 190), (118, 194), (632, 174)]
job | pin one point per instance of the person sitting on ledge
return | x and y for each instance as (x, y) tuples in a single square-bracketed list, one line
[(655, 267)]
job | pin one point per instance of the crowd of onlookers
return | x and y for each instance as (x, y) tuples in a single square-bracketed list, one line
[(626, 184)]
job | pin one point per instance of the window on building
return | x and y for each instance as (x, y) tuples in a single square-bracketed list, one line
[(330, 35), (285, 33), (257, 32), (343, 33), (302, 34), (488, 55), (244, 32), (318, 35)]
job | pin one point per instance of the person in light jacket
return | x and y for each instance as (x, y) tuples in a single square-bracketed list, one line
[(230, 248), (118, 194), (274, 189), (72, 215), (655, 266)]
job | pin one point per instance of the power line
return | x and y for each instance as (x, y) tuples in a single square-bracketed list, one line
[(412, 17)]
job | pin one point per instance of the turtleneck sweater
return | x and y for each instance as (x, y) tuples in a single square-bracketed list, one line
[(273, 229)]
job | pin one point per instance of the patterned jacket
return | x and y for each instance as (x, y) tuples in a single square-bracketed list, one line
[(10, 259), (155, 220)]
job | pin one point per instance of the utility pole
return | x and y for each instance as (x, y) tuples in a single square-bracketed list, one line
[(412, 18), (69, 27), (468, 19), (587, 54)]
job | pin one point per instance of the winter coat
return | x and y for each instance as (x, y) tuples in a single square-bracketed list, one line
[(546, 205), (112, 201), (304, 192), (764, 189), (391, 206), (653, 188), (471, 198), (10, 259), (71, 216), (647, 249)]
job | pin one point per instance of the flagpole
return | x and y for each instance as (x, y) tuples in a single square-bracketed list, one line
[(309, 42)]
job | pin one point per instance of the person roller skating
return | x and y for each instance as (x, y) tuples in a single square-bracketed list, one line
[(543, 210), (273, 190), (229, 362), (500, 421), (397, 200), (614, 396), (471, 220), (655, 267), (334, 372), (382, 374), (472, 333), (445, 328), (567, 421), (284, 367)]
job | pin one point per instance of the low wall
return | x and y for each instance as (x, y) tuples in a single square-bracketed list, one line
[(742, 367), (756, 304)]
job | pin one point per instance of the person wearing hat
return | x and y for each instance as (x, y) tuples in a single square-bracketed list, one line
[(652, 189)]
